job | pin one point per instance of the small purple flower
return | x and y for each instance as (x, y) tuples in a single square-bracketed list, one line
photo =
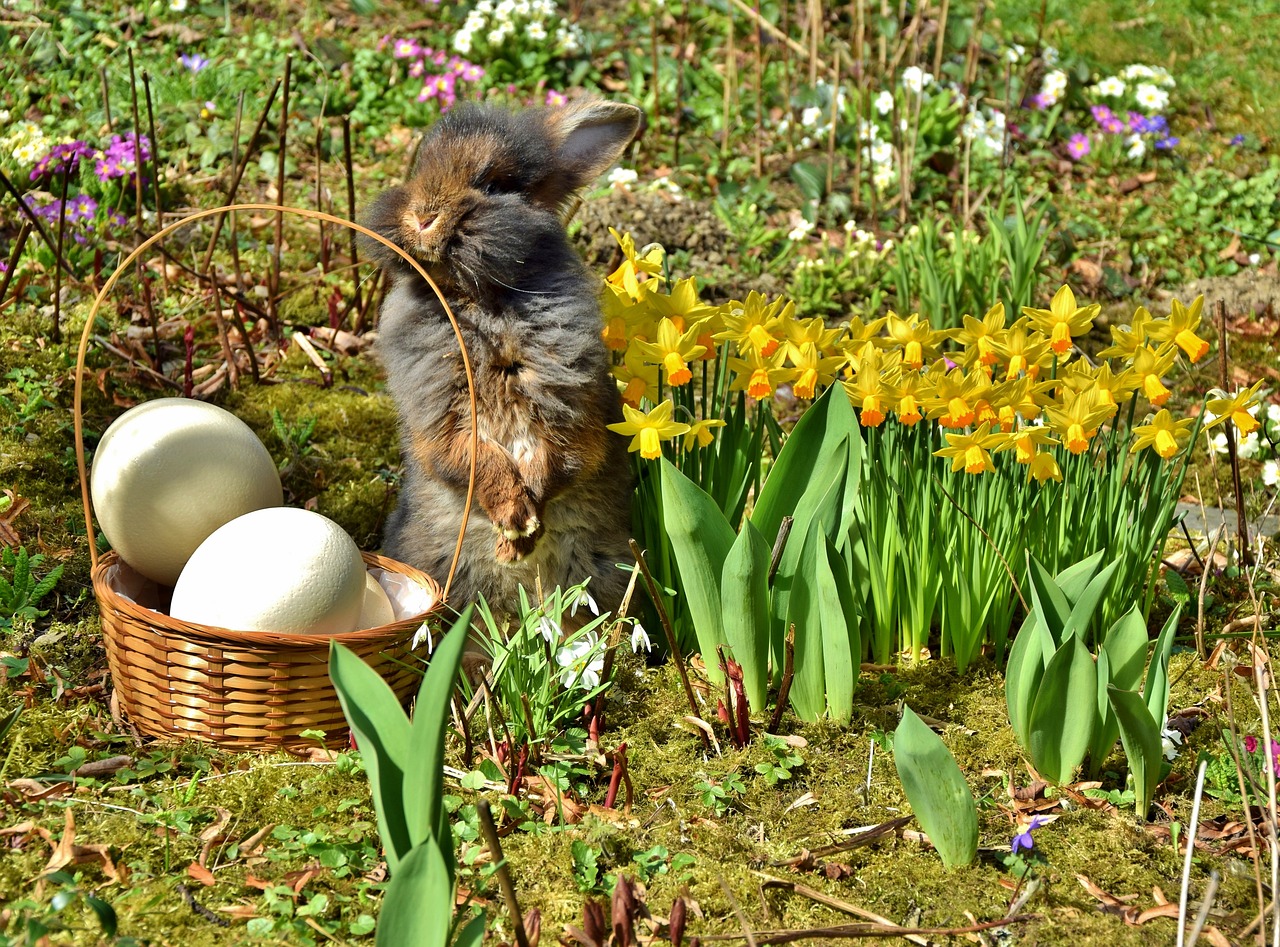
[(1167, 143), (1037, 102), (193, 61), (1236, 141), (1137, 123), (1158, 124), (61, 158), (1078, 146), (1113, 126), (4, 266), (1101, 113), (1023, 840)]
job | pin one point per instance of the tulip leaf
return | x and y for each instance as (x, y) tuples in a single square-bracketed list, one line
[(1141, 738), (804, 613), (1062, 716), (1049, 606), (1121, 659), (1022, 675), (701, 538), (417, 907), (744, 604), (838, 660), (1076, 577), (1156, 691), (1084, 607), (940, 798)]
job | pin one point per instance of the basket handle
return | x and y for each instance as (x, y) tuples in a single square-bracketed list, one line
[(273, 208)]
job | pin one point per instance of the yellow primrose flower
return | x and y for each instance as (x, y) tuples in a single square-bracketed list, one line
[(814, 368), (649, 430), (1236, 410), (1164, 435), (915, 336), (978, 336), (1125, 340), (639, 378), (754, 324), (1021, 351), (634, 262), (1180, 327), (673, 349), (700, 435), (758, 375), (1077, 418), (1149, 366), (1063, 320), (971, 452)]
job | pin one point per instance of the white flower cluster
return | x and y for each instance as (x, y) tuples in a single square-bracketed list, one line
[(1052, 88), (915, 80), (1149, 85), (800, 230), (623, 178), (534, 20), (24, 142), (862, 243), (985, 128)]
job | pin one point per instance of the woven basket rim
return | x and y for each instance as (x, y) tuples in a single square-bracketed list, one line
[(266, 641)]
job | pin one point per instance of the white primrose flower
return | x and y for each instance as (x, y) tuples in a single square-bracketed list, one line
[(1273, 413), (462, 41), (1249, 446), (535, 31), (1111, 87), (1015, 53), (1151, 97), (1271, 472), (1137, 147), (811, 116), (883, 176), (1051, 56), (880, 152), (884, 102), (915, 79)]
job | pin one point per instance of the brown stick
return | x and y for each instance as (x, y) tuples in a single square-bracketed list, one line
[(19, 245), (357, 300), (57, 272), (272, 300), (788, 675), (139, 232), (676, 657), (155, 169), (233, 237), (28, 213), (491, 841), (106, 98), (1224, 362)]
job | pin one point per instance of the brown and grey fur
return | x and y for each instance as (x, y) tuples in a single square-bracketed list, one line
[(553, 491)]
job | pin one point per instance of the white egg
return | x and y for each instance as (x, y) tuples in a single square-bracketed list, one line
[(169, 472), (279, 569), (377, 610)]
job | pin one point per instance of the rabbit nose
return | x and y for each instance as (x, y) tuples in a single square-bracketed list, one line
[(425, 221)]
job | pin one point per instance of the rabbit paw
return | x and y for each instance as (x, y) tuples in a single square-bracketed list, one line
[(513, 550)]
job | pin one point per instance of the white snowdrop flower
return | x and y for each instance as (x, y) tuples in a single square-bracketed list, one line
[(811, 116), (640, 638), (1137, 147), (1015, 53), (549, 630), (1151, 97), (800, 230), (1170, 741), (535, 31), (1255, 259), (915, 79), (1111, 87), (584, 600), (581, 663), (884, 102), (1051, 56), (1271, 472), (1249, 446)]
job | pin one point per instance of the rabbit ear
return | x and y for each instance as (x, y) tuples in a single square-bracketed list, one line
[(590, 137)]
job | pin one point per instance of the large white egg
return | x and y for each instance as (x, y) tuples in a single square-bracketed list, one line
[(169, 472), (279, 569), (377, 610)]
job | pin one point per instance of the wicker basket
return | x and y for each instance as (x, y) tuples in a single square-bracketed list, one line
[(241, 690)]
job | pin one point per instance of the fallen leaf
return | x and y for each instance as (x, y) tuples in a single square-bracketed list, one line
[(200, 873)]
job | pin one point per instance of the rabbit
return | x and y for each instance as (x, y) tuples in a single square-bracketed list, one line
[(481, 213)]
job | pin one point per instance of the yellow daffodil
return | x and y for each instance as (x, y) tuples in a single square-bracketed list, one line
[(978, 336), (799, 331), (1044, 466), (907, 395), (814, 369), (699, 434), (647, 261), (1077, 418), (754, 325), (1236, 410), (616, 309), (1125, 340), (1020, 398), (1164, 435), (860, 331), (682, 306), (639, 378), (648, 431), (1082, 377), (1027, 441), (1021, 351), (1180, 327), (673, 350), (1063, 320), (954, 397), (758, 375), (915, 336), (1149, 366), (971, 452)]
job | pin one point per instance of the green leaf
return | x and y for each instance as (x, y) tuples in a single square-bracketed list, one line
[(472, 934), (838, 661), (701, 538), (1141, 738), (8, 720), (418, 905), (1076, 577), (423, 776), (1062, 716), (1049, 605), (744, 604), (936, 788), (1022, 675), (808, 686), (1082, 611), (1156, 691), (1120, 662), (382, 733)]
